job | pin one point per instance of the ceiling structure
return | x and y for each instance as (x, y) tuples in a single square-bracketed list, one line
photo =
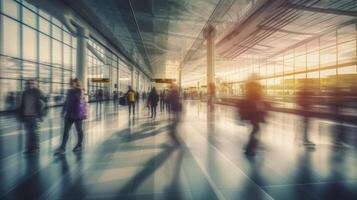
[(157, 33), (272, 30), (162, 34)]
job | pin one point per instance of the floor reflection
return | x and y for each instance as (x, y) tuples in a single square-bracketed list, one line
[(137, 158)]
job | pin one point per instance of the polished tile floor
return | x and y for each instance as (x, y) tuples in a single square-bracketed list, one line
[(136, 159)]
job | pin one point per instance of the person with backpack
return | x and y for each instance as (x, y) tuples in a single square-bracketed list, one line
[(74, 112), (33, 107), (153, 101), (131, 97)]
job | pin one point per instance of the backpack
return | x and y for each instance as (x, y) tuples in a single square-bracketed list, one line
[(82, 109), (131, 96)]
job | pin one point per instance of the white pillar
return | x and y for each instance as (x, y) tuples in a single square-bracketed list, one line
[(82, 68), (180, 79), (132, 78), (209, 34)]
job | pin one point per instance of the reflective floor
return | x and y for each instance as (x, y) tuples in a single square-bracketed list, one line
[(136, 159)]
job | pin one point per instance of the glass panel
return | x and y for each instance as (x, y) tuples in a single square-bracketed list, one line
[(45, 87), (327, 79), (56, 53), (66, 76), (74, 42), (347, 76), (29, 17), (66, 38), (313, 60), (346, 33), (300, 63), (270, 68), (56, 88), (11, 8), (74, 58), (44, 26), (328, 57), (56, 74), (56, 32), (45, 73), (66, 56), (279, 66), (11, 37), (347, 52), (44, 49), (29, 70), (56, 21), (29, 49), (10, 68)]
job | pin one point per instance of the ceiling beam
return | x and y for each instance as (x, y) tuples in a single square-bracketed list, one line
[(142, 40), (322, 10), (268, 28)]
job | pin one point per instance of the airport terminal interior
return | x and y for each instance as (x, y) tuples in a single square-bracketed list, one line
[(178, 99)]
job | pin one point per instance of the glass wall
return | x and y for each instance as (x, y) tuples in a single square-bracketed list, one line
[(33, 45), (323, 61)]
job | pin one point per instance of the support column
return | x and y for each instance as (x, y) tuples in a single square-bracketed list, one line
[(82, 68), (180, 79), (132, 78), (209, 34)]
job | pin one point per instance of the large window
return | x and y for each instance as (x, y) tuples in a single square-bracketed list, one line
[(11, 37), (31, 49), (323, 61), (36, 45), (29, 38)]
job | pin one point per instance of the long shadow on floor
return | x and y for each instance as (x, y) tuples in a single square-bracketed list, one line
[(152, 165)]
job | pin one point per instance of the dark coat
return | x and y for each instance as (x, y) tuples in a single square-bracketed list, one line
[(174, 101), (40, 103), (153, 98), (72, 103)]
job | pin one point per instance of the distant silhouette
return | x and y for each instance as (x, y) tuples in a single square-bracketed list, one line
[(304, 101), (162, 100), (337, 100), (153, 100)]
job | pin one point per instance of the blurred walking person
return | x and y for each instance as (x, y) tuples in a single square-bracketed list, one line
[(337, 100), (131, 98), (174, 100), (74, 112), (253, 110), (162, 100), (304, 101), (153, 100), (33, 107)]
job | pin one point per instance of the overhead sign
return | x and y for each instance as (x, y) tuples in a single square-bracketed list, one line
[(100, 80), (163, 80)]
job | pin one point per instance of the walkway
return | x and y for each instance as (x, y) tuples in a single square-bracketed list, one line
[(135, 159)]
